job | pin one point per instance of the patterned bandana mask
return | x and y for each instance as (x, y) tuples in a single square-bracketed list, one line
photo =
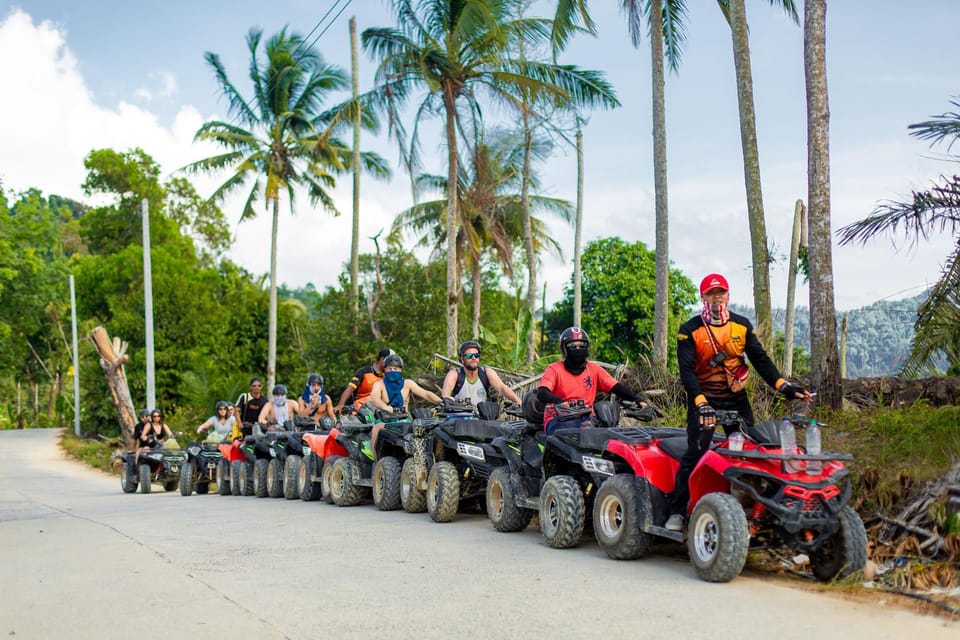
[(715, 313)]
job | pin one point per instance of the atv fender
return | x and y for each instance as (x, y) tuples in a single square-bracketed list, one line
[(708, 477), (647, 462)]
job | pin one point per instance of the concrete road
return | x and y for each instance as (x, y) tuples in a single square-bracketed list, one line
[(80, 559)]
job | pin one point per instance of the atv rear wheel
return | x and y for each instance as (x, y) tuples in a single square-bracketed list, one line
[(146, 477), (617, 516), (386, 484), (307, 488), (343, 482), (223, 477), (502, 490), (562, 512), (274, 479), (843, 553), (237, 477), (291, 471), (325, 478), (412, 498), (443, 491), (260, 477), (246, 479), (186, 478), (128, 477), (718, 537)]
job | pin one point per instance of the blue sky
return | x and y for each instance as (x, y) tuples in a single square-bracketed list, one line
[(118, 74)]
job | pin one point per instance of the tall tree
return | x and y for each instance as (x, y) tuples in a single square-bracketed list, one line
[(666, 25), (453, 49), (932, 211), (736, 15), (355, 238), (280, 139), (825, 363)]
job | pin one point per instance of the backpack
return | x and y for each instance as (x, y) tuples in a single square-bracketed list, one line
[(462, 378)]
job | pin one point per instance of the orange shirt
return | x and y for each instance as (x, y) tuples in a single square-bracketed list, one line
[(584, 387)]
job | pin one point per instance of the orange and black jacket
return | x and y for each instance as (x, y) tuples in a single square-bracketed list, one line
[(737, 339), (362, 383)]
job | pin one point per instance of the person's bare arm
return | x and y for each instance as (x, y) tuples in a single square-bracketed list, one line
[(264, 416), (343, 397), (420, 392), (497, 383), (448, 383)]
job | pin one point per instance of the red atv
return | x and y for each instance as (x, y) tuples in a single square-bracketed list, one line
[(320, 451), (740, 500), (229, 469)]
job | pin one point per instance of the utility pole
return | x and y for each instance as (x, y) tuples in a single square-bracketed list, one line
[(148, 305), (76, 359)]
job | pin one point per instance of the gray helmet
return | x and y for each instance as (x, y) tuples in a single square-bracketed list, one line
[(280, 390), (393, 360), (315, 378), (144, 413), (222, 404), (469, 344)]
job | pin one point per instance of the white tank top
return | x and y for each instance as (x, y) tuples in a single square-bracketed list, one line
[(473, 391)]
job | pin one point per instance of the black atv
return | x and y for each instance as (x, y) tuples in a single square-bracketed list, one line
[(513, 489), (289, 454), (346, 479), (266, 453), (159, 464), (464, 458), (201, 467)]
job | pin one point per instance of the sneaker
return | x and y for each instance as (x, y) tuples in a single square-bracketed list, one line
[(674, 523)]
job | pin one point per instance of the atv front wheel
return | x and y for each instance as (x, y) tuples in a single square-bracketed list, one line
[(618, 512), (413, 499), (223, 477), (307, 488), (246, 479), (146, 477), (562, 512), (260, 477), (274, 479), (325, 492), (237, 477), (502, 509), (386, 484), (128, 478), (718, 537), (291, 471), (186, 478), (443, 492), (843, 553), (343, 482)]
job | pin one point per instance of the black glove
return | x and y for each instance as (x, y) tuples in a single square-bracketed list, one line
[(708, 417), (792, 391)]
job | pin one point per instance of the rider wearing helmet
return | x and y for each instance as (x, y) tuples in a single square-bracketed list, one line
[(576, 378), (144, 421), (362, 382), (472, 381), (393, 392), (710, 353), (221, 423), (313, 402), (279, 413)]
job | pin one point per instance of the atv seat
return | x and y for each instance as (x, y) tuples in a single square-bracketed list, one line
[(674, 446), (589, 438), (478, 429), (354, 428)]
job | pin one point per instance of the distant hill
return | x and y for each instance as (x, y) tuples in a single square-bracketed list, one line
[(878, 335)]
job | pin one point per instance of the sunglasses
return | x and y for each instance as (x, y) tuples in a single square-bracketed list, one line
[(471, 356), (156, 417)]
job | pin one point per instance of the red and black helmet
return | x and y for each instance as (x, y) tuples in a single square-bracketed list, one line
[(573, 334)]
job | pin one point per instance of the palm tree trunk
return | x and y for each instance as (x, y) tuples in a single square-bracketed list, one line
[(577, 233), (824, 361), (798, 215), (272, 317), (528, 237), (355, 243), (662, 266), (477, 291), (751, 171), (453, 217)]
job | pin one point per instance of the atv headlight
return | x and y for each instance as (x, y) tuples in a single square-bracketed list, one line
[(471, 451), (598, 465)]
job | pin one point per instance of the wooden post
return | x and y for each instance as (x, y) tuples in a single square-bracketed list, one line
[(113, 355)]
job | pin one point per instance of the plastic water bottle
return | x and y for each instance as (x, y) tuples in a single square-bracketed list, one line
[(735, 441), (813, 448), (788, 443)]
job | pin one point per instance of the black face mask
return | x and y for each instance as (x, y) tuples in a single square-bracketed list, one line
[(576, 360)]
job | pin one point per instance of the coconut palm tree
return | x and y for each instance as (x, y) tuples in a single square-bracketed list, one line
[(665, 42), (933, 211), (453, 50), (491, 215), (279, 139)]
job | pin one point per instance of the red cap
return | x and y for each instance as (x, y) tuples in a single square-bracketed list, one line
[(713, 281)]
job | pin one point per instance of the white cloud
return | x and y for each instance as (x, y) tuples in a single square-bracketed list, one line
[(164, 85)]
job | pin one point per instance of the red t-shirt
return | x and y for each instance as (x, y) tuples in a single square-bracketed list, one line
[(584, 387)]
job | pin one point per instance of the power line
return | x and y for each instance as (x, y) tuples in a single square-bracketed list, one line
[(319, 22), (325, 29)]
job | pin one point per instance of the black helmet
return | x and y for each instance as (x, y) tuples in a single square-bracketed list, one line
[(315, 378), (222, 404), (280, 390), (572, 334), (469, 344), (393, 360), (144, 413)]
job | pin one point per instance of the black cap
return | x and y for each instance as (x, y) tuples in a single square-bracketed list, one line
[(384, 353)]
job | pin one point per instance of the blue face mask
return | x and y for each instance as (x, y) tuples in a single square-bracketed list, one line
[(393, 377)]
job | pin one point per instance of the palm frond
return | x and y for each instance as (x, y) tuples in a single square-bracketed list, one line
[(945, 125), (937, 328)]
